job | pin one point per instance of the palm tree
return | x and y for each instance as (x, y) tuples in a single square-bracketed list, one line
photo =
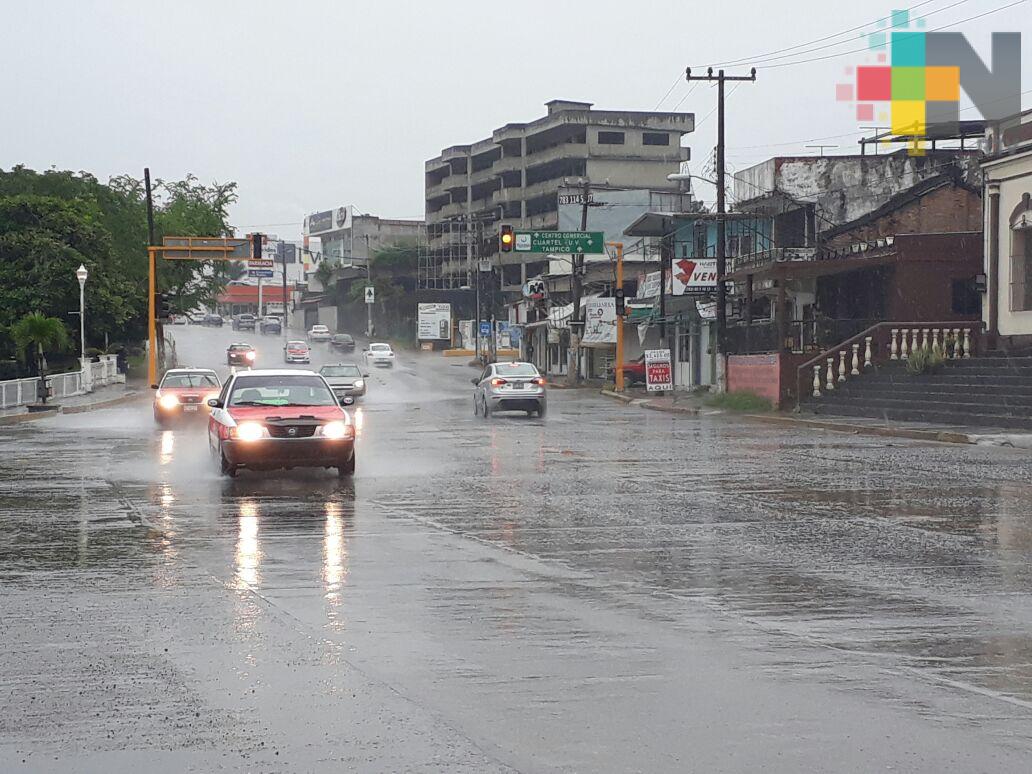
[(41, 334)]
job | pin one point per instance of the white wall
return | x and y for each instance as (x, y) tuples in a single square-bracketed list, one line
[(1014, 176)]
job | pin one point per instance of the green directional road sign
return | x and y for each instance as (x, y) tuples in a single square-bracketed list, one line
[(589, 242)]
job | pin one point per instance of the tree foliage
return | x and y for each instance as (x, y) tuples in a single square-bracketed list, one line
[(51, 221), (39, 334)]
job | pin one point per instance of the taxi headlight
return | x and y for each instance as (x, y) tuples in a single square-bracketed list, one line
[(249, 355), (168, 401), (359, 384), (335, 431), (249, 431)]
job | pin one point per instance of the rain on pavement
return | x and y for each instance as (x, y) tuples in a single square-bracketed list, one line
[(606, 589)]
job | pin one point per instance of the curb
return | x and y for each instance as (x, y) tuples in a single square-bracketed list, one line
[(942, 436), (647, 404), (19, 418)]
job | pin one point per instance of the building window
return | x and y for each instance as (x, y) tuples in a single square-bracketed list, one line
[(610, 138), (966, 299), (1021, 271), (655, 138)]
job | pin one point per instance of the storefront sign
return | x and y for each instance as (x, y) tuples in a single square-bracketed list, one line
[(659, 374)]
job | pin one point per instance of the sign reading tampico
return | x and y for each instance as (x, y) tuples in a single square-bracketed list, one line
[(587, 242)]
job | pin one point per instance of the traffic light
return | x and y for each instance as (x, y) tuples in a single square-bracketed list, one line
[(506, 238), (256, 246), (621, 307), (164, 306)]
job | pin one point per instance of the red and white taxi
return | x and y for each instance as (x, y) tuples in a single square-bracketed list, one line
[(268, 419), (184, 393), (297, 352)]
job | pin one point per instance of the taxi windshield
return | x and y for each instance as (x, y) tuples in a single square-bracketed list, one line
[(340, 370), (190, 380), (287, 390)]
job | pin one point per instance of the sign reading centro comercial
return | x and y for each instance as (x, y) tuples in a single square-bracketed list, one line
[(589, 242)]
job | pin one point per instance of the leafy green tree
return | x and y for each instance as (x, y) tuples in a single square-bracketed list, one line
[(325, 272), (42, 242), (39, 334)]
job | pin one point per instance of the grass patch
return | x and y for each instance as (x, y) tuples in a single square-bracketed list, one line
[(739, 401)]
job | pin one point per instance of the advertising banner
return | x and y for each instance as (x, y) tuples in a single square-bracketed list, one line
[(693, 276), (434, 322), (599, 321)]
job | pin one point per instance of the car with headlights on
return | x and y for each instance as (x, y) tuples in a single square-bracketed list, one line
[(380, 354), (280, 419), (345, 379), (184, 393), (240, 354), (509, 387), (297, 352)]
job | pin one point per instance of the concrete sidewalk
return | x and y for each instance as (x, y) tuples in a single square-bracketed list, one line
[(693, 405), (102, 397)]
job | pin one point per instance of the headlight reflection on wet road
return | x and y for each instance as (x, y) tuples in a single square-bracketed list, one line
[(334, 554), (168, 445), (248, 551)]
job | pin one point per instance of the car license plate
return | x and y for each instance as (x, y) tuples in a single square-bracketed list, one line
[(518, 385), (189, 408)]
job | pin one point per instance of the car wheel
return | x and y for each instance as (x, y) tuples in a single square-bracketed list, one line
[(487, 409), (476, 406), (229, 471), (541, 410), (348, 468)]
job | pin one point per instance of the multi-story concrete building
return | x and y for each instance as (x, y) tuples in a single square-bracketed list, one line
[(348, 237), (515, 174)]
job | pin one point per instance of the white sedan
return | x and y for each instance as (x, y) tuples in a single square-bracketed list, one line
[(380, 355), (319, 333)]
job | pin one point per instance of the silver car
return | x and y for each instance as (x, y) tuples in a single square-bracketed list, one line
[(345, 379), (510, 387)]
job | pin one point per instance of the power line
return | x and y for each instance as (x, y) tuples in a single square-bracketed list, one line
[(764, 58), (860, 50)]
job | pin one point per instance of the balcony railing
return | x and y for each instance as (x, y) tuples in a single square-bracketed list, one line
[(773, 255)]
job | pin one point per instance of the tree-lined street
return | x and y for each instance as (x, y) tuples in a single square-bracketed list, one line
[(511, 594)]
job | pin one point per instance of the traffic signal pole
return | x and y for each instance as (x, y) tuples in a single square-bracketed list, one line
[(152, 319)]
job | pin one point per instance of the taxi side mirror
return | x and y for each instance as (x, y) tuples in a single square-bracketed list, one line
[(214, 403)]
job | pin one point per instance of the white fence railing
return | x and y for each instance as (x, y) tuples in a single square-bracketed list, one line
[(20, 392)]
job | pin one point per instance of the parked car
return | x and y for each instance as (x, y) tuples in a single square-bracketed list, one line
[(184, 393), (319, 333), (271, 324), (509, 387), (634, 372), (240, 354), (215, 320), (345, 379), (343, 341), (197, 318), (280, 419), (244, 322), (178, 319), (380, 354), (297, 352)]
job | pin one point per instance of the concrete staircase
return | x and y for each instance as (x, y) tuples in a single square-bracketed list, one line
[(990, 391)]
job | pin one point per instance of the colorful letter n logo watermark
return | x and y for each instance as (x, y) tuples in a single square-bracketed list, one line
[(920, 75)]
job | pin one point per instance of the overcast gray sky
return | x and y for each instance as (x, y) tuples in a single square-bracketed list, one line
[(313, 104)]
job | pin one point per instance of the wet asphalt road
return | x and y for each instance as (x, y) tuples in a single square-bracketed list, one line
[(608, 589)]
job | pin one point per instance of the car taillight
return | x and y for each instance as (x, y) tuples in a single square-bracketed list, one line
[(539, 381), (498, 382)]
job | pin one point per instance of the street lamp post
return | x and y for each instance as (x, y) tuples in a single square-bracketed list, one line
[(81, 274)]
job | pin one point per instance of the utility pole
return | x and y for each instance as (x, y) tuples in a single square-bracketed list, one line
[(283, 258), (721, 79), (369, 281), (576, 323), (152, 316)]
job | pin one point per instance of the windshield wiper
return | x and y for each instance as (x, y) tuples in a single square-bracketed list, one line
[(252, 403)]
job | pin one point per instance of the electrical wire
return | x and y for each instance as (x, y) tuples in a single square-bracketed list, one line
[(764, 59), (860, 50)]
